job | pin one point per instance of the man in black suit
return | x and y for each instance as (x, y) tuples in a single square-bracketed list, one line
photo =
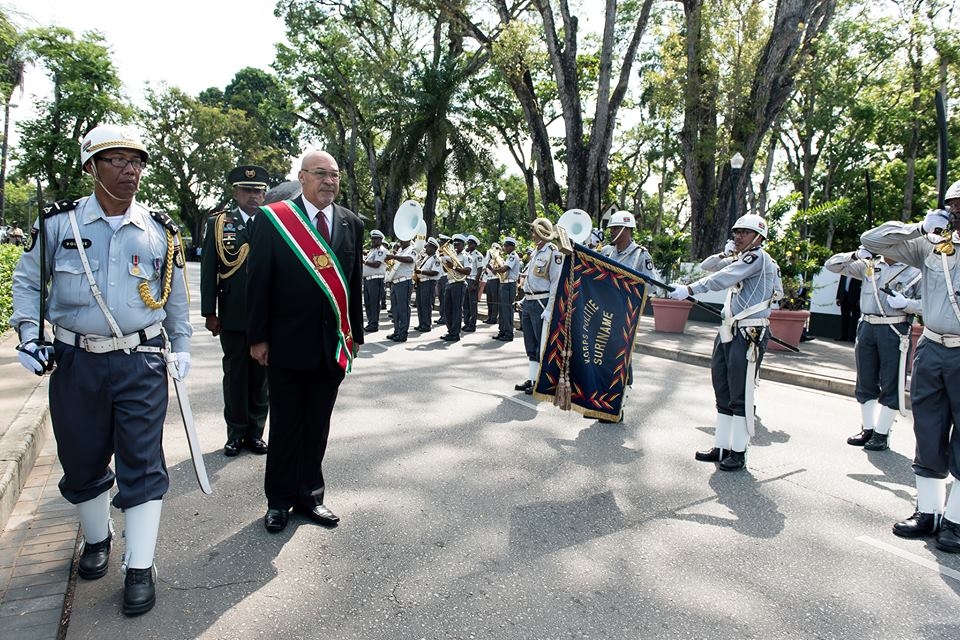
[(848, 299), (295, 332)]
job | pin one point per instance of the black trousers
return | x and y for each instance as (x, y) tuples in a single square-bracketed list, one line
[(245, 401), (373, 293), (493, 301), (877, 355), (508, 294), (935, 400), (453, 307), (470, 302), (301, 403), (426, 292), (728, 369), (400, 307)]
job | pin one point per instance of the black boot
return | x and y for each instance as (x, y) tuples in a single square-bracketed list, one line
[(949, 537), (861, 438), (877, 442), (917, 526), (139, 592), (94, 559), (527, 384), (716, 454), (734, 462)]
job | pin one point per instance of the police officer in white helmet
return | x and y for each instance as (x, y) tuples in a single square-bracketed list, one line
[(933, 247), (622, 248), (117, 296), (752, 280)]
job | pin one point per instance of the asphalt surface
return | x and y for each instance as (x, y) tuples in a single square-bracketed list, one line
[(470, 511)]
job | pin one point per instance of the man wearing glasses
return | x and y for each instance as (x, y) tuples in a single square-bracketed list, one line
[(223, 304), (305, 323), (117, 301)]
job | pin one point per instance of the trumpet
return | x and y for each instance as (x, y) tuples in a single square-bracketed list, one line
[(446, 251)]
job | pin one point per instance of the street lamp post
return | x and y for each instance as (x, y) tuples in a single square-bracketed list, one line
[(3, 161), (736, 163), (501, 197)]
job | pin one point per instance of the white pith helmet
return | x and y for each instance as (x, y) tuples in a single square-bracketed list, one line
[(753, 222), (622, 219), (110, 136)]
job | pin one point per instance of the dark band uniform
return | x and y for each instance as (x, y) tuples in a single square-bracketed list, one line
[(223, 292)]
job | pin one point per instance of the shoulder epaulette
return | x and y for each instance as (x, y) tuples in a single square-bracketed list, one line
[(216, 214), (59, 207), (166, 221)]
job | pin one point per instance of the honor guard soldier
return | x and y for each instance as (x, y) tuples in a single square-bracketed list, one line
[(887, 302), (374, 270), (509, 273), (752, 280), (427, 273), (118, 305), (472, 299), (622, 249), (223, 304), (539, 290), (457, 264), (932, 247), (401, 289)]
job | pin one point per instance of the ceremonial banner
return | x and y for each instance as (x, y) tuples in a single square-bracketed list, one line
[(586, 360)]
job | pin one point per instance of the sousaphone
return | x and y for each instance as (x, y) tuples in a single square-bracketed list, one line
[(577, 223), (408, 221)]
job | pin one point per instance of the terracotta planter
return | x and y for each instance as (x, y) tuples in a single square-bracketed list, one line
[(916, 330), (670, 316), (787, 326)]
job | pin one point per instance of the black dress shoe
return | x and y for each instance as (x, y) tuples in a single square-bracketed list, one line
[(139, 592), (877, 442), (734, 462), (276, 520), (949, 537), (528, 391), (916, 526), (319, 514), (861, 438), (369, 329), (399, 339), (94, 559), (527, 384), (449, 338), (232, 448), (391, 336), (469, 329), (711, 455), (255, 445)]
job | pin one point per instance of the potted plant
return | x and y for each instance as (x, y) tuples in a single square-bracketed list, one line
[(667, 250), (799, 259)]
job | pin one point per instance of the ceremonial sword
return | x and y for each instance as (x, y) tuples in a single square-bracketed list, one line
[(707, 307)]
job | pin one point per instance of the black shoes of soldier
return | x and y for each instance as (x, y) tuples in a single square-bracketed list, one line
[(949, 537), (527, 384), (139, 592), (877, 442), (94, 559), (232, 448), (917, 526), (712, 455), (861, 438), (255, 445), (734, 462)]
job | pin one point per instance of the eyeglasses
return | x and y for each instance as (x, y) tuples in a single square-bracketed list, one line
[(323, 174), (121, 163)]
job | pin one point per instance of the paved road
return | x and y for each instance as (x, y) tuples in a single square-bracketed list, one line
[(471, 512)]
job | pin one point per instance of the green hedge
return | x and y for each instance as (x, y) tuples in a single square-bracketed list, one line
[(9, 254)]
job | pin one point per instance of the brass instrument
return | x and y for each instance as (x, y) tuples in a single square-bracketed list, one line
[(421, 260), (496, 261), (446, 251)]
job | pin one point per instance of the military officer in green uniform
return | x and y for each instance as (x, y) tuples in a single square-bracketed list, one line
[(223, 303)]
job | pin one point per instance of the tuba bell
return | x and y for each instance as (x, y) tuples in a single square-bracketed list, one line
[(577, 224), (408, 221)]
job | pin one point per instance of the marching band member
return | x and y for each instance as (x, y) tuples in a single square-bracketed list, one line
[(374, 271), (539, 290), (400, 289), (932, 247), (508, 289), (883, 339), (492, 287), (752, 280), (471, 301), (456, 287), (427, 273)]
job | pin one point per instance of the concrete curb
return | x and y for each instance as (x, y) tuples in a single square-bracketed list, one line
[(20, 447)]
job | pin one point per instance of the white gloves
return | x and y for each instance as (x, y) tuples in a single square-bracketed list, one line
[(33, 357), (897, 301), (863, 254), (729, 248), (545, 314), (936, 219), (183, 365), (680, 292)]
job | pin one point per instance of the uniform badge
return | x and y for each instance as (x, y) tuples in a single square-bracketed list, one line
[(34, 232), (558, 259), (71, 243), (178, 258), (649, 265), (321, 261), (748, 258)]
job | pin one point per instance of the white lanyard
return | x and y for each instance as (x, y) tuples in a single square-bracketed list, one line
[(97, 295)]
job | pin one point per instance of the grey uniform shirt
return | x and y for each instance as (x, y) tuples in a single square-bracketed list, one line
[(477, 265), (119, 261), (753, 277), (404, 270), (512, 260), (905, 242), (633, 257), (896, 277), (432, 263), (379, 254)]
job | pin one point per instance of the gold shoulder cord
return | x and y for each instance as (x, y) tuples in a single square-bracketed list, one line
[(144, 287), (231, 264)]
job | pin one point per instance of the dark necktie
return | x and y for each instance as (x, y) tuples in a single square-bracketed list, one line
[(322, 226)]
